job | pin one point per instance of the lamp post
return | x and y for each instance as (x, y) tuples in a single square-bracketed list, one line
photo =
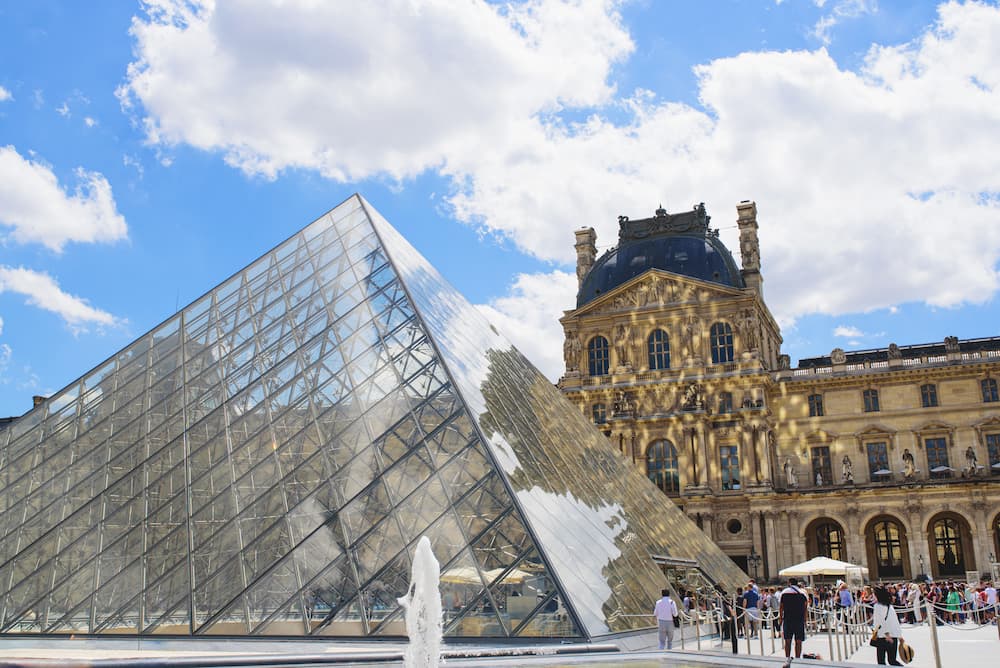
[(754, 560)]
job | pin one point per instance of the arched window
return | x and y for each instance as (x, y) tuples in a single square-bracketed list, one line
[(721, 336), (659, 350), (996, 538), (825, 538), (886, 540), (661, 466), (598, 356), (950, 539)]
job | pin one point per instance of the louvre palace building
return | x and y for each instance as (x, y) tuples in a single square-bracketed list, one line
[(887, 458)]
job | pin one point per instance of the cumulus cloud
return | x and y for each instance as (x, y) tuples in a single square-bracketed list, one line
[(383, 87), (40, 210), (847, 331), (5, 94), (888, 174), (44, 292)]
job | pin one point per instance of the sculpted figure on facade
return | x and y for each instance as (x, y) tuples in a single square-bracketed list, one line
[(909, 465), (838, 356), (791, 479), (847, 476), (748, 326), (622, 339), (971, 461), (894, 352), (571, 351), (951, 344), (692, 326), (692, 397), (784, 362)]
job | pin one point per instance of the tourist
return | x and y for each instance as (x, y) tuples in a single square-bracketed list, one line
[(751, 602), (792, 615), (665, 611), (886, 628), (991, 602)]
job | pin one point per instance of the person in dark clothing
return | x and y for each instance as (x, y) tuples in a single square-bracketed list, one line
[(792, 615)]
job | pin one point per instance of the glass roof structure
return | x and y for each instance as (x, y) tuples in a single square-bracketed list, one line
[(265, 461)]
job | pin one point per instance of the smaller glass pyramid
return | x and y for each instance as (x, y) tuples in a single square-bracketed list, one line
[(264, 462)]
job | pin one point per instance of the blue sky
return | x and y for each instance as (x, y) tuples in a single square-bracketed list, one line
[(148, 151)]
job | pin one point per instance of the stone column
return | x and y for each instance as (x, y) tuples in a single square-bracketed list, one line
[(703, 453), (770, 547), (854, 540), (915, 537)]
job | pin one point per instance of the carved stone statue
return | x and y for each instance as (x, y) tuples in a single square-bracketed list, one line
[(748, 328), (621, 344), (693, 328), (894, 352), (951, 344), (571, 351), (971, 461), (790, 478), (909, 466), (784, 362), (692, 398), (838, 356), (848, 471)]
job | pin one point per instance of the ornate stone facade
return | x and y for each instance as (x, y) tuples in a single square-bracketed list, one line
[(889, 458)]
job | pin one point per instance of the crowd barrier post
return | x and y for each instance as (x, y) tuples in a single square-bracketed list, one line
[(829, 638), (696, 618), (932, 620)]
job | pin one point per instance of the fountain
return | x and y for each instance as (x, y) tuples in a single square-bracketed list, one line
[(423, 609)]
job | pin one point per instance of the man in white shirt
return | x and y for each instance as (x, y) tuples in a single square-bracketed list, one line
[(665, 611), (991, 600)]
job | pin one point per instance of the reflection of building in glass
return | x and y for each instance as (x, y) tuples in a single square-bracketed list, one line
[(265, 461), (772, 460)]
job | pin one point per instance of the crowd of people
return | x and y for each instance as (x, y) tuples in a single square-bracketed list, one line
[(783, 610)]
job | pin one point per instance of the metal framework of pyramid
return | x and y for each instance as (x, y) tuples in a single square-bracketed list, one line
[(264, 462)]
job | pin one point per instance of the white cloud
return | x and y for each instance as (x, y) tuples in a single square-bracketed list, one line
[(63, 110), (1, 325), (6, 353), (847, 331), (844, 9), (351, 90), (5, 94), (43, 291), (89, 122), (888, 175), (40, 210), (529, 317)]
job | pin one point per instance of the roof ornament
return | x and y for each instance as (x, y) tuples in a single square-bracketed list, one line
[(661, 212)]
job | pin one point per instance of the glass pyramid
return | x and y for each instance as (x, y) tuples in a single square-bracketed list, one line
[(264, 462)]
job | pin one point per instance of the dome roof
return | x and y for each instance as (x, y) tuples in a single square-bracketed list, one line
[(681, 244)]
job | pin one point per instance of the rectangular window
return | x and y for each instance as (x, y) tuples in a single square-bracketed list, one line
[(726, 402), (989, 387), (729, 458), (815, 405), (928, 395), (871, 401), (600, 414), (821, 469), (937, 457), (878, 462), (993, 452)]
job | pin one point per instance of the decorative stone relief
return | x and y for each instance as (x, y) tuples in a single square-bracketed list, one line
[(838, 356)]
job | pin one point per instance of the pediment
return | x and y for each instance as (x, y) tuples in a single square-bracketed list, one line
[(655, 289)]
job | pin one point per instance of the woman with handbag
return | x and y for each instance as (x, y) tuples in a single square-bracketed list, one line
[(885, 628)]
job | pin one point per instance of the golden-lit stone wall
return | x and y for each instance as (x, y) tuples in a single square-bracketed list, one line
[(777, 508)]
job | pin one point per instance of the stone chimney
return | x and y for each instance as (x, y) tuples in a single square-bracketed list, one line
[(749, 246), (586, 252)]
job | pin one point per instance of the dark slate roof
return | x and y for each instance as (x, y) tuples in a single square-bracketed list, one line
[(679, 243), (911, 351)]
